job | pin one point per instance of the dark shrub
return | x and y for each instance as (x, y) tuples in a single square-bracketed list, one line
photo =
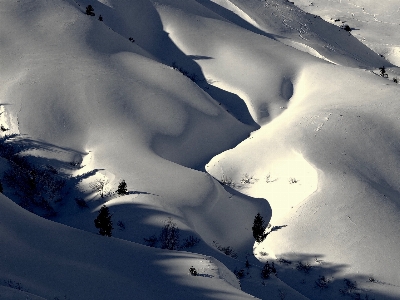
[(268, 270), (192, 271), (81, 203), (306, 267), (151, 241), (190, 242), (169, 236)]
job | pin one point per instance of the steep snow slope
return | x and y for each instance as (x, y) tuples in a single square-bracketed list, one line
[(375, 25), (282, 20)]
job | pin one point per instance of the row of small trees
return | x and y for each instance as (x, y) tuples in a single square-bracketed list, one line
[(103, 221), (90, 12), (100, 186), (169, 236)]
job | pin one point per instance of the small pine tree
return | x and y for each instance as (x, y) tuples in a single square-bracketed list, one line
[(383, 72), (258, 228), (90, 10), (1, 188), (100, 18), (347, 28), (193, 271), (103, 221), (122, 188)]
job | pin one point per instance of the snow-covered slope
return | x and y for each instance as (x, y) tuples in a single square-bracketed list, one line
[(328, 168), (54, 261), (374, 25), (285, 107), (283, 21)]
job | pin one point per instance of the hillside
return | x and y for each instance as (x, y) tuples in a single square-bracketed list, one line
[(211, 112)]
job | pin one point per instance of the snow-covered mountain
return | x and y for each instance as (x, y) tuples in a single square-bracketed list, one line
[(211, 112)]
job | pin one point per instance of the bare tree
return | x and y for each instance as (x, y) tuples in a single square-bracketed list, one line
[(169, 236), (99, 186)]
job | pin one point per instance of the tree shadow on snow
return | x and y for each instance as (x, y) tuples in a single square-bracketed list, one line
[(202, 286), (315, 278), (199, 57)]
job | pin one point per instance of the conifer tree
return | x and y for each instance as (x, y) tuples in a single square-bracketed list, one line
[(258, 228), (193, 271), (122, 188), (103, 221), (90, 10), (383, 72)]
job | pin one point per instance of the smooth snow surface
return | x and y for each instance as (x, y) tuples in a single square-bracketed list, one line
[(212, 112)]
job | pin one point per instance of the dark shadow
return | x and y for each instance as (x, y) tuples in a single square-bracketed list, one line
[(232, 103), (139, 230), (276, 228), (314, 278), (29, 144), (54, 163), (197, 292), (199, 57), (205, 275), (140, 193), (287, 89), (234, 18), (77, 179)]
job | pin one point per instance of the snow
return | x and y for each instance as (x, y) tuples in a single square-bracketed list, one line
[(375, 25), (82, 265), (218, 110)]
